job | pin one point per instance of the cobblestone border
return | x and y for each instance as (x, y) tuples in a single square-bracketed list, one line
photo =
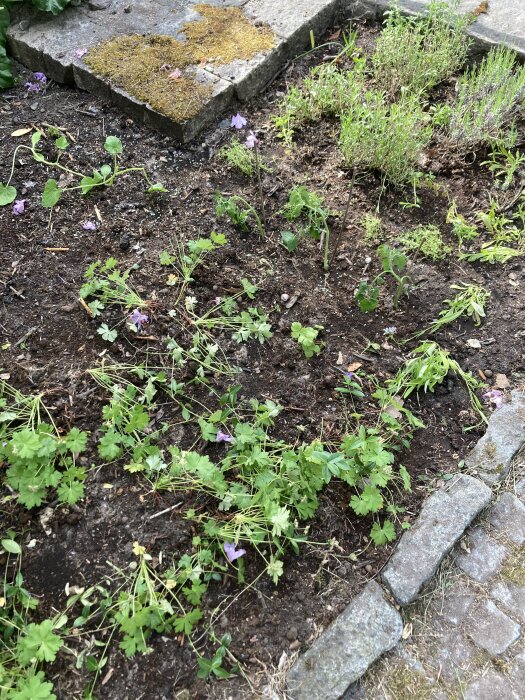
[(371, 625)]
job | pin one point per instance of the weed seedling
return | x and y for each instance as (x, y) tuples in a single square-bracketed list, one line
[(393, 263), (239, 211), (309, 206), (463, 230), (306, 336), (504, 164)]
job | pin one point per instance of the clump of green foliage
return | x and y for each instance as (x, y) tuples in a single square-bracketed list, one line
[(306, 336), (428, 367), (373, 227), (239, 156), (417, 53), (492, 253), (326, 92), (239, 211), (489, 97), (463, 230), (427, 240), (504, 164), (38, 459), (389, 138), (469, 301)]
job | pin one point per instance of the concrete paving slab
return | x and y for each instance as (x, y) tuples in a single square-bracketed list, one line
[(61, 47)]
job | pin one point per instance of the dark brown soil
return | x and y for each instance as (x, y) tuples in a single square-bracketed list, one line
[(52, 342)]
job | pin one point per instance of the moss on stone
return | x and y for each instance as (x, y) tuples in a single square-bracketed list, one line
[(144, 66), (403, 683), (514, 568)]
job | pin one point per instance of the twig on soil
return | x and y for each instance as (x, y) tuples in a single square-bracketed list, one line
[(56, 250), (18, 294), (345, 218), (166, 510), (86, 307)]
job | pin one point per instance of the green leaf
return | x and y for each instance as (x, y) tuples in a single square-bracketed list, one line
[(39, 643), (12, 547), (7, 192), (109, 445), (106, 171), (290, 241), (33, 688), (369, 501), (76, 440), (275, 569), (406, 478), (88, 183), (107, 333), (35, 138), (51, 194), (157, 187), (249, 289), (113, 145), (381, 535), (52, 6), (61, 143)]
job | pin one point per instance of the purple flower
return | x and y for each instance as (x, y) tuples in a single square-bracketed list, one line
[(40, 77), (79, 53), (494, 396), (238, 121), (32, 87), (251, 140), (138, 318), (89, 226), (350, 375), (19, 207), (231, 553), (223, 437)]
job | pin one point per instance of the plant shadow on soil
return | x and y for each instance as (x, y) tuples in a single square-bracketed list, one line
[(53, 342)]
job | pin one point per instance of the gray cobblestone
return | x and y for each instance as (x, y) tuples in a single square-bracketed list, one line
[(442, 521), (367, 628), (485, 556), (508, 516), (492, 630), (512, 597), (455, 604), (491, 686)]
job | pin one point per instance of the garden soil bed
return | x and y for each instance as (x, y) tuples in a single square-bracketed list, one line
[(49, 342)]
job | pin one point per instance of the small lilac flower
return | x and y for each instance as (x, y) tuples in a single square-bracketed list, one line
[(19, 207), (79, 53), (390, 330), (231, 553), (89, 226), (138, 318), (494, 396), (32, 87), (223, 437), (251, 140), (40, 77), (350, 375), (238, 121)]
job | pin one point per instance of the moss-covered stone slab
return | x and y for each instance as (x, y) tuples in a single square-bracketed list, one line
[(172, 64)]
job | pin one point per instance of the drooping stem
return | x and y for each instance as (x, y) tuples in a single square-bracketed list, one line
[(259, 185)]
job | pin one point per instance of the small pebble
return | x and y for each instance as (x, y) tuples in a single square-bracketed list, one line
[(285, 297), (295, 645), (291, 635), (487, 372), (368, 567)]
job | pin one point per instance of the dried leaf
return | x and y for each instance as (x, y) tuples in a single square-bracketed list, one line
[(474, 343), (501, 382), (354, 366), (407, 630), (22, 132), (339, 360)]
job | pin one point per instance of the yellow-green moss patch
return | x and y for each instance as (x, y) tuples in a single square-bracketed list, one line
[(148, 67), (514, 569)]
